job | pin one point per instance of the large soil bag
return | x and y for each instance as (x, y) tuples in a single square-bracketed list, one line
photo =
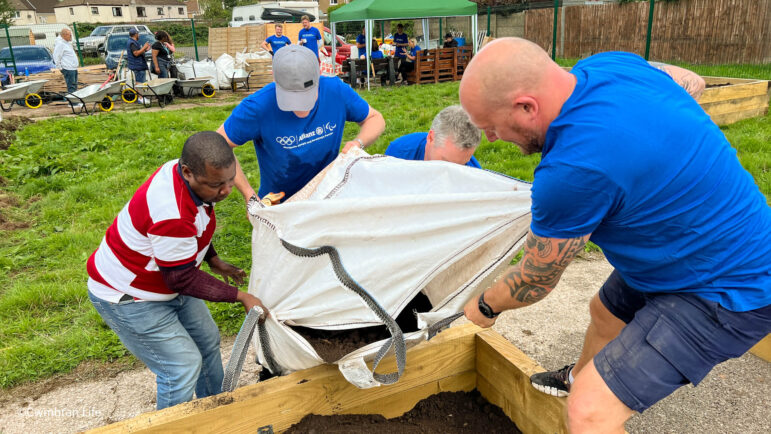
[(363, 238)]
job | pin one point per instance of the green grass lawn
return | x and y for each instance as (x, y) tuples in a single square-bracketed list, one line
[(68, 178)]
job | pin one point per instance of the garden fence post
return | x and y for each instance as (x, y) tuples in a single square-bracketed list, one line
[(10, 48), (195, 43), (488, 21), (554, 31), (440, 30), (650, 28), (77, 42)]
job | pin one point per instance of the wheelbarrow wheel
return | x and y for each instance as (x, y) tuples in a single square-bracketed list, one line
[(129, 95), (106, 104), (33, 101), (207, 90), (168, 99)]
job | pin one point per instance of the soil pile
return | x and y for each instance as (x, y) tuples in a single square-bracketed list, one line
[(443, 413), (331, 345), (8, 128)]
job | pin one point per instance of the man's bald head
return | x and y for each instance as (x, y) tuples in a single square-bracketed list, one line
[(504, 66), (512, 90)]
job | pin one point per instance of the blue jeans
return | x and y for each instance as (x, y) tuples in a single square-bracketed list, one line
[(163, 67), (139, 76), (71, 78), (177, 340)]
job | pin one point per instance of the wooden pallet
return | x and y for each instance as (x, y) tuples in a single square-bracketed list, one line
[(232, 40), (95, 74), (740, 99), (459, 359)]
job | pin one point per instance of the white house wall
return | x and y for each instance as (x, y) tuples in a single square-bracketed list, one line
[(83, 14)]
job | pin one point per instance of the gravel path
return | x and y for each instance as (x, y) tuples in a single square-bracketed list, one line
[(734, 398)]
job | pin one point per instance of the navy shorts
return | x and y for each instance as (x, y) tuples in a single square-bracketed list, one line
[(670, 339)]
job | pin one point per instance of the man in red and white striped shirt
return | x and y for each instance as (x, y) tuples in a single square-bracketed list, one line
[(145, 278)]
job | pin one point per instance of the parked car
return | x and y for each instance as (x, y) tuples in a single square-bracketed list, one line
[(29, 59), (116, 45), (94, 42), (343, 49)]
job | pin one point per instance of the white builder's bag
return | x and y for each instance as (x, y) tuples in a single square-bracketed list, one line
[(363, 238)]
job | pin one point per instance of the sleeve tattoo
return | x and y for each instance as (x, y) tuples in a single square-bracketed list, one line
[(542, 265)]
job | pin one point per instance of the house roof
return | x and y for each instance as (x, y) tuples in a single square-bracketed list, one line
[(68, 3), (43, 6), (22, 5), (192, 6)]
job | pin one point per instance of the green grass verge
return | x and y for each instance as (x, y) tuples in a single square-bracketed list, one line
[(757, 71), (70, 177)]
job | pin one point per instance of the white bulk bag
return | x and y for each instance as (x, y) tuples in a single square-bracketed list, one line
[(225, 68), (399, 227), (205, 68)]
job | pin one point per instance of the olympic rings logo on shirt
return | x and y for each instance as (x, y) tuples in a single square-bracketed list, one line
[(286, 141)]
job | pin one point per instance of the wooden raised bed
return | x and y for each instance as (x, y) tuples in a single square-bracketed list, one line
[(763, 349), (739, 99), (459, 359)]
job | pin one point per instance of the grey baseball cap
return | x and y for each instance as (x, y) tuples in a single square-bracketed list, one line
[(296, 73)]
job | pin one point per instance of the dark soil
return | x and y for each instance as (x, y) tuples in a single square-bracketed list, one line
[(443, 413), (8, 128), (331, 345), (718, 85)]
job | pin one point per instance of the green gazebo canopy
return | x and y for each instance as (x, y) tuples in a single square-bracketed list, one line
[(361, 10)]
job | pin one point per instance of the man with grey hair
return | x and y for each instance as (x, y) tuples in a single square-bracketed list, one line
[(66, 60), (452, 138)]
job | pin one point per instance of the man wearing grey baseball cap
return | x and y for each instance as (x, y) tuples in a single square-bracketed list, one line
[(296, 123)]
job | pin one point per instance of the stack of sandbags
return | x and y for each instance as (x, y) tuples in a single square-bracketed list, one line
[(94, 74)]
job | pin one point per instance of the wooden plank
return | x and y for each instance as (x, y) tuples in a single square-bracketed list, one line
[(291, 30), (283, 401), (729, 118), (733, 91), (749, 103), (507, 370), (763, 349)]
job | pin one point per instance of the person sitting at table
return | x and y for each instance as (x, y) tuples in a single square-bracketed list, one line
[(408, 63)]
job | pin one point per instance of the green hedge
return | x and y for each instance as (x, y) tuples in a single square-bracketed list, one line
[(181, 32)]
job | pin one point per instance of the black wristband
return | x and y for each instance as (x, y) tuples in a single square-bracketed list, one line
[(485, 308)]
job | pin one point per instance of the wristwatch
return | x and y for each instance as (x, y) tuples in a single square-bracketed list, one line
[(361, 143), (485, 308)]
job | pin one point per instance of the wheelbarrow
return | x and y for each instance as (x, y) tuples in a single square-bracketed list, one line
[(96, 94), (190, 86), (240, 78), (25, 91), (158, 89)]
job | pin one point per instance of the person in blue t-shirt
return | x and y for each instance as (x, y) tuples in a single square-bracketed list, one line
[(408, 63), (452, 138), (296, 123), (310, 37), (401, 42), (361, 44), (631, 162), (376, 53), (274, 42)]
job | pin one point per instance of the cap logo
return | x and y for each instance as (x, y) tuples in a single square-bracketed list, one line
[(308, 84)]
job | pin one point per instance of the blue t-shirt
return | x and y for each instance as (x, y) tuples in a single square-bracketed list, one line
[(377, 54), (414, 51), (413, 147), (309, 38), (361, 39), (277, 42), (401, 39), (636, 162), (135, 63), (292, 150)]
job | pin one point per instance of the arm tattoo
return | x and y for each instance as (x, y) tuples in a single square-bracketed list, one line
[(541, 267)]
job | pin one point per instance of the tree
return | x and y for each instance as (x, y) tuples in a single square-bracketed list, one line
[(7, 13)]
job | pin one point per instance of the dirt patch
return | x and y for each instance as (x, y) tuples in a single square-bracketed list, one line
[(331, 345), (86, 371), (8, 128), (446, 412), (8, 202), (717, 85)]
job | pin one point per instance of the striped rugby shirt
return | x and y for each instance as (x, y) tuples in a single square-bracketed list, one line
[(165, 224)]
